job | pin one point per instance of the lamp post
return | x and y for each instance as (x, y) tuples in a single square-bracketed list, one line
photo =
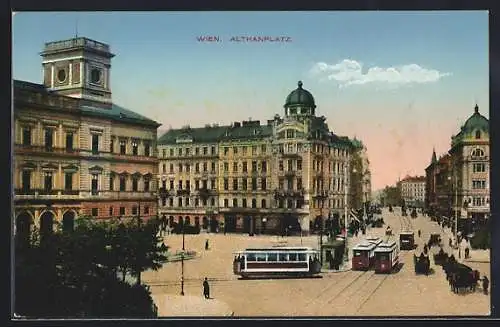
[(182, 259), (346, 186), (455, 206)]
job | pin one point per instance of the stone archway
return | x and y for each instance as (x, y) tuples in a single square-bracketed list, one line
[(68, 221), (197, 221), (23, 226), (205, 222), (46, 223), (171, 221), (187, 220)]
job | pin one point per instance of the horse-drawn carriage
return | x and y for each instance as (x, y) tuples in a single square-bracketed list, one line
[(460, 277), (422, 263), (434, 239), (379, 222), (441, 257)]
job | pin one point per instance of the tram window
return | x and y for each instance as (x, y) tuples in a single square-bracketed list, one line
[(283, 256), (251, 257), (272, 257), (302, 257), (292, 257), (260, 256), (357, 253), (383, 256)]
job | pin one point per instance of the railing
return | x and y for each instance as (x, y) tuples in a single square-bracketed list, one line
[(20, 148)]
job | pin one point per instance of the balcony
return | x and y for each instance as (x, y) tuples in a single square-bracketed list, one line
[(43, 150), (183, 192), (291, 155)]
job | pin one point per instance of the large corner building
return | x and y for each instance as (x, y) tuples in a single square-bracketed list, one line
[(76, 153), (258, 178)]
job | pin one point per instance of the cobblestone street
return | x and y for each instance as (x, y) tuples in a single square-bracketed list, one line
[(335, 294)]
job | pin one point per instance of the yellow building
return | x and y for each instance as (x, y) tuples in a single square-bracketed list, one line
[(76, 153), (274, 177)]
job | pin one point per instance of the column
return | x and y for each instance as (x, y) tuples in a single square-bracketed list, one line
[(52, 73), (70, 71)]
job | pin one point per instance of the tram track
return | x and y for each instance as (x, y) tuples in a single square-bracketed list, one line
[(372, 293)]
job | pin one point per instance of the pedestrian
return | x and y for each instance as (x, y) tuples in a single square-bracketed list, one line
[(206, 244), (419, 233), (206, 289), (486, 283), (467, 253)]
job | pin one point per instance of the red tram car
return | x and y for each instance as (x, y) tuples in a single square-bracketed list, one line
[(363, 256), (386, 257)]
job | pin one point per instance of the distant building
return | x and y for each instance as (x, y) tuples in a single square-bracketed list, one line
[(413, 190), (458, 183), (76, 153), (258, 178)]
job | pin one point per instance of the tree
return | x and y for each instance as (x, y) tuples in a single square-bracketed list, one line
[(74, 274)]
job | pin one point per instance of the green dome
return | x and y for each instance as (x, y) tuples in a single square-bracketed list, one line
[(476, 122), (300, 98)]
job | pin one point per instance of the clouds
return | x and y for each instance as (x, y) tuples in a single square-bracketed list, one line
[(350, 72)]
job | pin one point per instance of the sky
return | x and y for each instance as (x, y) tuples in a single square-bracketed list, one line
[(402, 82)]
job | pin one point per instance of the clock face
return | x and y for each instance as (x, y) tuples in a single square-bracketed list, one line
[(61, 75), (95, 76)]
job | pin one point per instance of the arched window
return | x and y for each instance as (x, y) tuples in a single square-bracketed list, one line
[(263, 203), (478, 134), (477, 153)]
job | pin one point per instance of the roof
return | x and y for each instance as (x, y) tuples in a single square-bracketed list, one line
[(300, 97), (87, 108), (473, 123), (198, 135), (248, 132), (413, 179)]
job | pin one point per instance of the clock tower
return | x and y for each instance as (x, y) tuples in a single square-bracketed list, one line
[(79, 68)]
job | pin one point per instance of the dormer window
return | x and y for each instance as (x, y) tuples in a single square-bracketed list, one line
[(478, 134)]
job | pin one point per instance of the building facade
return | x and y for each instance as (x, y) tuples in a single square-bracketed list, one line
[(413, 191), (282, 175), (457, 184), (76, 153)]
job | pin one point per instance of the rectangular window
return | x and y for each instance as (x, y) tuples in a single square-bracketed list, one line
[(204, 184), (479, 184), (187, 151), (135, 147), (122, 211), (95, 144), (146, 184), (179, 202), (226, 203), (179, 152), (299, 164), (263, 148), (134, 210), (212, 150), (196, 167), (48, 139), (196, 151), (235, 184), (214, 182), (68, 181), (188, 185), (179, 168), (263, 184), (245, 167), (171, 152), (196, 185), (95, 179), (171, 202), (213, 167), (122, 183), (264, 166), (235, 150), (26, 136), (226, 150), (226, 184), (146, 210), (290, 165), (205, 150), (235, 167), (254, 166), (244, 203), (254, 150), (171, 184), (280, 164), (245, 184), (244, 150), (479, 168), (69, 141), (235, 203), (196, 202), (179, 185), (123, 147), (171, 168), (135, 183), (204, 166), (95, 212), (281, 183), (226, 166), (111, 211), (26, 180), (254, 203), (147, 149), (254, 184), (111, 183), (188, 168), (164, 153), (187, 202)]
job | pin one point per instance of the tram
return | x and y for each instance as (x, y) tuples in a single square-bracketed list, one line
[(363, 256), (373, 240), (407, 240), (277, 261), (386, 257)]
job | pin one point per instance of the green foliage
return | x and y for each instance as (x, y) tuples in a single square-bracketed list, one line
[(481, 239), (75, 274)]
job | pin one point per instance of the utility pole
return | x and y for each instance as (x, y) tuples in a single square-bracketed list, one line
[(182, 259), (346, 254)]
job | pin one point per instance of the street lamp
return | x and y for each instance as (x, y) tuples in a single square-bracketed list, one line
[(455, 186), (182, 258)]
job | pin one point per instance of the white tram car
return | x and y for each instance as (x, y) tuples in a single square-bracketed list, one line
[(277, 261)]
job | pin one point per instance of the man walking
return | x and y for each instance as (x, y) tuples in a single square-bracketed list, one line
[(486, 283), (206, 289)]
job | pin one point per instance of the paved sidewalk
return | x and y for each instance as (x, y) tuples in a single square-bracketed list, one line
[(170, 305)]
